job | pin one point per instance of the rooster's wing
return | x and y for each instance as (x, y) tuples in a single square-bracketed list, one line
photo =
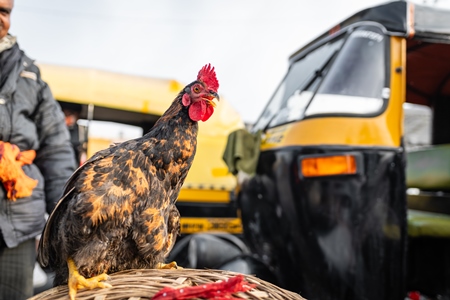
[(127, 199)]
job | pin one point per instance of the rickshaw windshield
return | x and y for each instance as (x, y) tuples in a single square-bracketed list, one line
[(346, 76)]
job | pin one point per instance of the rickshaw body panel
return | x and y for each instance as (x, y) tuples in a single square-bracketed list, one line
[(332, 237)]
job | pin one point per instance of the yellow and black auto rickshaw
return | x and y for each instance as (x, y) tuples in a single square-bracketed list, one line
[(358, 131)]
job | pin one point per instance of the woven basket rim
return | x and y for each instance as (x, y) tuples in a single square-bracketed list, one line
[(144, 283)]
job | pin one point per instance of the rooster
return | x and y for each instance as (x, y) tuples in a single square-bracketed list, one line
[(118, 209)]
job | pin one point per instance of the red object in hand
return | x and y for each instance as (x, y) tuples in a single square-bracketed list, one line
[(218, 290)]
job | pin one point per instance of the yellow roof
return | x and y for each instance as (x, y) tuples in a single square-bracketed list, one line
[(109, 89), (150, 96)]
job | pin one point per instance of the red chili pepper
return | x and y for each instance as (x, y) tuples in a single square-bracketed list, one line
[(221, 290)]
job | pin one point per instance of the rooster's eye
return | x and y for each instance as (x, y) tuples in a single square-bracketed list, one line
[(196, 89)]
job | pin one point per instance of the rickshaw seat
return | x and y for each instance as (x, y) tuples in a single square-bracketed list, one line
[(428, 224)]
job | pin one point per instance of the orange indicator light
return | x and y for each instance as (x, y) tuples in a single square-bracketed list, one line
[(328, 165)]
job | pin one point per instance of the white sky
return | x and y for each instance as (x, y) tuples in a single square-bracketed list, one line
[(248, 41)]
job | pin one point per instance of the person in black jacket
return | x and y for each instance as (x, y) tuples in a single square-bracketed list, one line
[(36, 159)]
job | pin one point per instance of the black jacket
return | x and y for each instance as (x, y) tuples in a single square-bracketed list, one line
[(31, 119)]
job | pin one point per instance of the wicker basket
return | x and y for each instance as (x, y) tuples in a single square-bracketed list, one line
[(143, 284)]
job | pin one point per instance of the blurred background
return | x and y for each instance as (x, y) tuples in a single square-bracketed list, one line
[(247, 41)]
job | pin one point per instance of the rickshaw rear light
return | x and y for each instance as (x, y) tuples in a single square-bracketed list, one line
[(328, 165)]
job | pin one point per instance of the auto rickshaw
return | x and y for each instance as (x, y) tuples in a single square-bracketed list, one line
[(345, 201)]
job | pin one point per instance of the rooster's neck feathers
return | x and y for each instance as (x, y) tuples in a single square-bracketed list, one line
[(175, 119)]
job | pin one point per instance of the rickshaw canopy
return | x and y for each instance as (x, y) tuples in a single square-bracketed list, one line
[(400, 18)]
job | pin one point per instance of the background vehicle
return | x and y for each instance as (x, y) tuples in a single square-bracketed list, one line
[(327, 208)]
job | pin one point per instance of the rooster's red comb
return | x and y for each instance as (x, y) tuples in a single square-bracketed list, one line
[(207, 75)]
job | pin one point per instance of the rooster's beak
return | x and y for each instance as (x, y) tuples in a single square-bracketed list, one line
[(213, 95)]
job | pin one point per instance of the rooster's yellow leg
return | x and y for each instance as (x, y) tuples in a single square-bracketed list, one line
[(77, 281), (171, 265)]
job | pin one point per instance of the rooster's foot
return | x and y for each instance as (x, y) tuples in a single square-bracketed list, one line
[(171, 265), (77, 281)]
